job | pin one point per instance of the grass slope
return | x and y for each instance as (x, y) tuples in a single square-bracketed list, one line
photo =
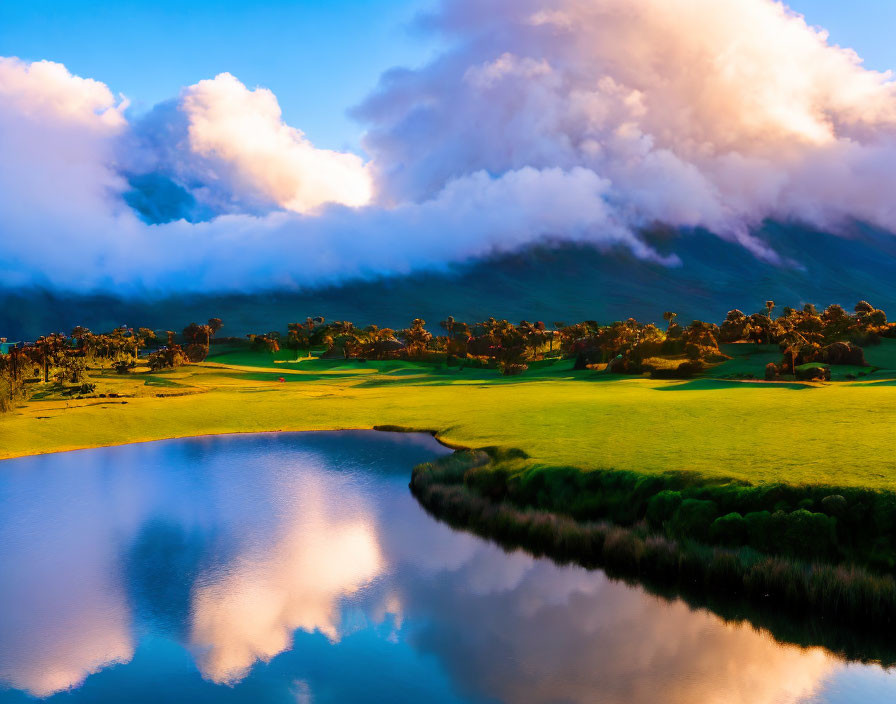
[(838, 434)]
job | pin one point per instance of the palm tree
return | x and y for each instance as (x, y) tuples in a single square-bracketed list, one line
[(448, 325), (769, 307), (669, 317), (796, 342)]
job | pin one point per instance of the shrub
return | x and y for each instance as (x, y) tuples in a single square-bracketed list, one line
[(512, 368), (805, 533), (842, 353), (812, 372), (196, 353), (694, 518), (730, 529), (834, 505), (167, 357), (662, 507), (758, 525)]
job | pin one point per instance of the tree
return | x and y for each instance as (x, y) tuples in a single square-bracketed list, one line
[(795, 343), (269, 342), (735, 327), (199, 338), (769, 307), (80, 334), (50, 349), (167, 357), (448, 325), (416, 338), (862, 308), (669, 317), (299, 336), (509, 346)]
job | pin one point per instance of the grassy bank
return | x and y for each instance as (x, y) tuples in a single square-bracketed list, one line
[(753, 431), (844, 594), (816, 522)]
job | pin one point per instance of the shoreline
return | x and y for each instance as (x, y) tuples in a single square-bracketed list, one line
[(839, 590), (186, 436)]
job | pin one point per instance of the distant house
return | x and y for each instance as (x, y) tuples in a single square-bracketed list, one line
[(5, 346)]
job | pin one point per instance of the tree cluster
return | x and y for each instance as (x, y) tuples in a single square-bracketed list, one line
[(65, 359)]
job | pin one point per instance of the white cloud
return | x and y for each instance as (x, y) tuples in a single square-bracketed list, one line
[(574, 119), (698, 112), (241, 133), (46, 90)]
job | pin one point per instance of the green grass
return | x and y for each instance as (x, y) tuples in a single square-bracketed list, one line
[(883, 356), (748, 359), (839, 434)]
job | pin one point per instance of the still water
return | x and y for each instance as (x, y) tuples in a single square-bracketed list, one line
[(298, 568)]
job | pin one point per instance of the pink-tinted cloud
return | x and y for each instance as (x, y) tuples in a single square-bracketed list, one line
[(574, 119)]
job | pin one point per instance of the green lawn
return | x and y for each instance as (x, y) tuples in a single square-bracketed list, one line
[(838, 433), (749, 359)]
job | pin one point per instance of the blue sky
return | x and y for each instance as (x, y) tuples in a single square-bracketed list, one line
[(319, 57)]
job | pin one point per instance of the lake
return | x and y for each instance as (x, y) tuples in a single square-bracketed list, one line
[(297, 567)]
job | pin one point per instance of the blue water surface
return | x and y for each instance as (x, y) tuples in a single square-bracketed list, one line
[(297, 567)]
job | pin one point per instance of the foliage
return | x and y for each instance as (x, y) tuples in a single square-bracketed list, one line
[(847, 594), (168, 357), (840, 523)]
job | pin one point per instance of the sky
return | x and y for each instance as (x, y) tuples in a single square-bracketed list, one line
[(319, 57), (232, 146)]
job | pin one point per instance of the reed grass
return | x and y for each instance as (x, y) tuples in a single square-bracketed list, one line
[(845, 593)]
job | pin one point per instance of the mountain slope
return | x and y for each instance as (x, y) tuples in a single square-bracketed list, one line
[(559, 282)]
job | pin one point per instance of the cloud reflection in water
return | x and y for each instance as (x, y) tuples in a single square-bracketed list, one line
[(232, 546)]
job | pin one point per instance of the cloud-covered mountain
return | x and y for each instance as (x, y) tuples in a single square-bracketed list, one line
[(582, 121), (548, 282)]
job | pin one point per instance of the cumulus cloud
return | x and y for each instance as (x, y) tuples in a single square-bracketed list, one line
[(586, 120), (698, 113), (230, 148)]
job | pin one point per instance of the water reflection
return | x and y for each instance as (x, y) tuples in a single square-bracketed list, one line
[(298, 568), (324, 549)]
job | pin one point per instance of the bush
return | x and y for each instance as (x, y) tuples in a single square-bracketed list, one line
[(834, 505), (196, 353), (167, 357), (662, 507), (694, 518), (842, 353), (813, 373), (730, 529), (758, 524), (805, 533)]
